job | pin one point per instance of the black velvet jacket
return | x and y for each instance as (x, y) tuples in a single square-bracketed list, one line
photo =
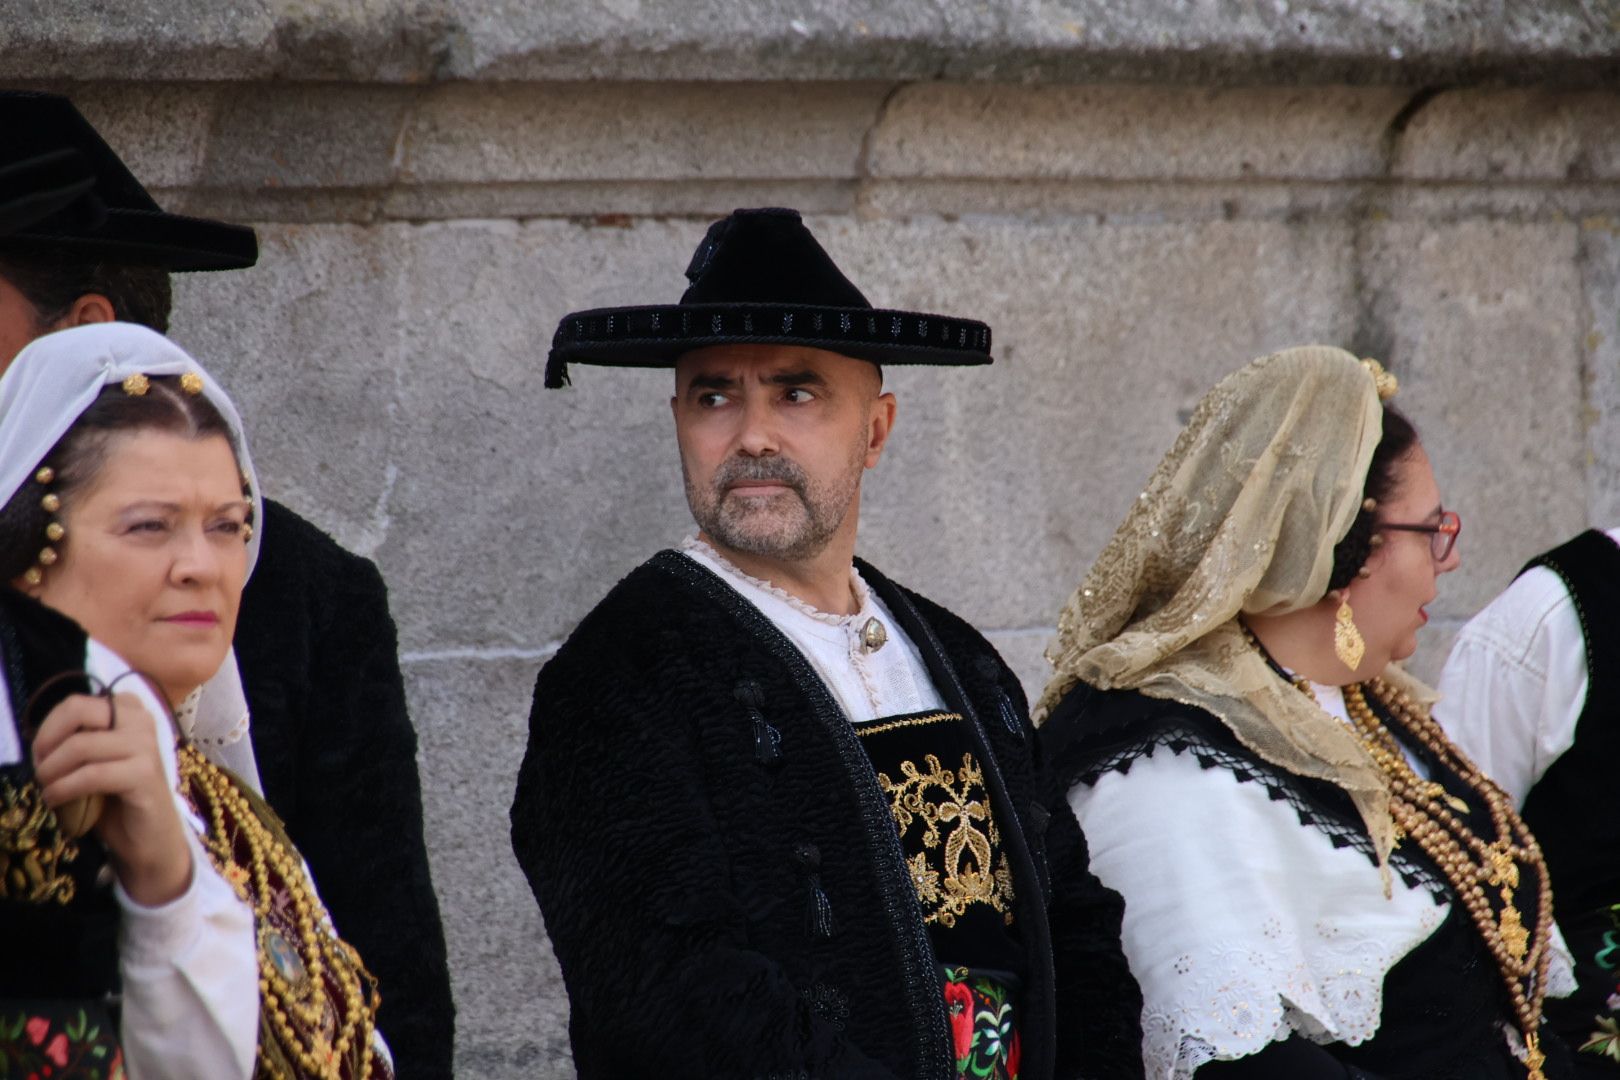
[(337, 758), (691, 797)]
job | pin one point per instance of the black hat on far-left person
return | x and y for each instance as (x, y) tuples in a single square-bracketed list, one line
[(38, 187), (130, 226)]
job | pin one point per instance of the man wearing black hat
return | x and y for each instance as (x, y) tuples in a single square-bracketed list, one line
[(781, 814), (332, 743)]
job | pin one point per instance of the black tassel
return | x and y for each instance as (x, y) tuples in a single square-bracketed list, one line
[(767, 740), (1009, 717), (991, 673), (819, 917)]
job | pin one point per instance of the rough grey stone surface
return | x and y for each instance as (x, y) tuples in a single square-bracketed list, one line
[(1600, 416), (476, 133), (384, 40), (1530, 134), (366, 153), (1311, 41), (470, 714), (1484, 323), (1130, 245), (942, 131), (1022, 463)]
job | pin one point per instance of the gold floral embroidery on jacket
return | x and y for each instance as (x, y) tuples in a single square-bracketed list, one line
[(34, 855), (947, 813)]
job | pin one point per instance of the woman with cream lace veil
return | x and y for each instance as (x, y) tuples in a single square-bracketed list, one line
[(129, 504), (1316, 882)]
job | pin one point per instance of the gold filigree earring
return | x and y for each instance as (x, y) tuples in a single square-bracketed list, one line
[(1348, 644)]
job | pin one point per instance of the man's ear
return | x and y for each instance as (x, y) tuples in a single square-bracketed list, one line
[(89, 308), (879, 427)]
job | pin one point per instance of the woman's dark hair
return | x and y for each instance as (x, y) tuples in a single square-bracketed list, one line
[(78, 456), (1350, 554), (51, 276)]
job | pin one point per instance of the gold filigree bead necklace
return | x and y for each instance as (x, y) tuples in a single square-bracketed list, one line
[(1423, 812), (316, 1014)]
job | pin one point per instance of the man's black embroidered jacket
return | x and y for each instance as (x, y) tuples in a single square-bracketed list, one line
[(691, 786)]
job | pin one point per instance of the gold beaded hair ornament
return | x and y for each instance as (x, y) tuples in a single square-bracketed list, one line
[(1241, 516), (45, 390)]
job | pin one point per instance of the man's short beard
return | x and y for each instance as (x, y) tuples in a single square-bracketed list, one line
[(792, 526)]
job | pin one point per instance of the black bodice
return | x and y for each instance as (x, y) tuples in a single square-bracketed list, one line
[(58, 917)]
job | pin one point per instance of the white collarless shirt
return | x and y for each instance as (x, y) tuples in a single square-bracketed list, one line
[(1514, 686), (867, 684)]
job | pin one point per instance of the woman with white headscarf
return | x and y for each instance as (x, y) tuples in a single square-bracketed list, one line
[(129, 506), (1317, 883)]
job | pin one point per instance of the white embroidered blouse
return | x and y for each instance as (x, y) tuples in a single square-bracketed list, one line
[(1514, 685)]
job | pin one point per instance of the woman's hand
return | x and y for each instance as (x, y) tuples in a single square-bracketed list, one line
[(79, 751)]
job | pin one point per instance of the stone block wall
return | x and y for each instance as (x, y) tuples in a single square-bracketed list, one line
[(1135, 219)]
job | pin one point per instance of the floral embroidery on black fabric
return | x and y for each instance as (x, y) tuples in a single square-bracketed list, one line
[(985, 1041), (59, 1040), (1605, 1038), (34, 855), (954, 869)]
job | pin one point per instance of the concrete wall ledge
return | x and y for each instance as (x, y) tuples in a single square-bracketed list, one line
[(605, 151), (1221, 42)]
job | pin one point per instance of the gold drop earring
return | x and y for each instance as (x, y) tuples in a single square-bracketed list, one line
[(1348, 644)]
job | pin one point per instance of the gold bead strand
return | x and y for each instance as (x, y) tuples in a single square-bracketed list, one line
[(1467, 861), (245, 850)]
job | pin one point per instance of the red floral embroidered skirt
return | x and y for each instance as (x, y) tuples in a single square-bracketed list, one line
[(981, 1014)]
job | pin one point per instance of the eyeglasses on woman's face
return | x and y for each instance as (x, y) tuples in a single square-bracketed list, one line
[(1442, 534)]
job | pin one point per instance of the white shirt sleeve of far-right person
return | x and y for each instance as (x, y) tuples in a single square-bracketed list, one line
[(1514, 685), (189, 967)]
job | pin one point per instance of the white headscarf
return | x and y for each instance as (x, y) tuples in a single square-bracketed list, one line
[(44, 391)]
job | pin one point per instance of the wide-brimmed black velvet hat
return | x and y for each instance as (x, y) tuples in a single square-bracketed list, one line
[(760, 278), (133, 228), (37, 187)]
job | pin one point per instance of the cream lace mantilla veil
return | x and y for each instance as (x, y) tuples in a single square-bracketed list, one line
[(1240, 517)]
